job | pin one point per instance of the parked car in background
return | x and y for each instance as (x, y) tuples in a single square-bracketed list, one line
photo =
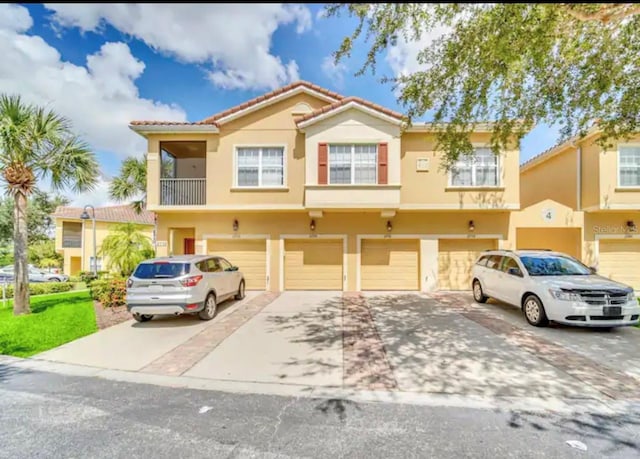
[(553, 286), (187, 284), (35, 275)]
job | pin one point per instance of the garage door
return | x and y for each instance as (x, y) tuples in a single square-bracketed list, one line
[(389, 264), (313, 264), (456, 258), (565, 240), (620, 260), (250, 255)]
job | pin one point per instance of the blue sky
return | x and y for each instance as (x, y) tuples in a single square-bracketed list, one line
[(103, 65)]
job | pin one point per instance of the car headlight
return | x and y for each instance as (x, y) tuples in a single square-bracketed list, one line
[(631, 297), (565, 296)]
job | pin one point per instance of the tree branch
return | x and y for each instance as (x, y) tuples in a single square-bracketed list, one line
[(612, 12)]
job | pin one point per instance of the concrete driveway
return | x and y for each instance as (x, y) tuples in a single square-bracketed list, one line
[(440, 343)]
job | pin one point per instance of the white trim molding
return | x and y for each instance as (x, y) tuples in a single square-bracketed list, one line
[(312, 236), (503, 207), (241, 236), (426, 283), (348, 106), (229, 208), (146, 129)]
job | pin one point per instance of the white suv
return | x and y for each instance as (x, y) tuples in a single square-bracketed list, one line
[(553, 286)]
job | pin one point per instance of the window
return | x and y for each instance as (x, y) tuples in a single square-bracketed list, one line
[(161, 270), (224, 264), (168, 164), (480, 169), (508, 263), (629, 165), (483, 260), (260, 166), (213, 266), (353, 164), (98, 266), (71, 235), (553, 265), (494, 262)]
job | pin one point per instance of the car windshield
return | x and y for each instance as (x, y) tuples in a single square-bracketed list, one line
[(161, 270), (553, 265)]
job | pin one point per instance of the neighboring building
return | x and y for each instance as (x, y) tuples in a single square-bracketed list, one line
[(585, 200), (303, 188), (74, 236)]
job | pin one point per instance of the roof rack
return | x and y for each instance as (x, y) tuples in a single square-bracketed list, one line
[(541, 250)]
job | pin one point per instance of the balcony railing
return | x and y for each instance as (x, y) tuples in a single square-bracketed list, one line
[(182, 192)]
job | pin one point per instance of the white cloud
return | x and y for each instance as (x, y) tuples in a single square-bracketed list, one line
[(100, 98), (335, 72), (99, 196), (403, 57), (233, 39)]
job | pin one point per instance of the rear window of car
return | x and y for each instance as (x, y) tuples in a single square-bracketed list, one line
[(483, 260), (161, 270)]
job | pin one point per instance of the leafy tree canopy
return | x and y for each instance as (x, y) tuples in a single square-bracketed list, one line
[(39, 209), (131, 183), (514, 64)]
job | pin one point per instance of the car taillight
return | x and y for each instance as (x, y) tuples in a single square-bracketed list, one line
[(129, 283), (191, 281)]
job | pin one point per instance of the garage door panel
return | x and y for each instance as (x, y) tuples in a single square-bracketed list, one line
[(565, 240), (620, 261), (250, 255), (389, 264), (313, 265), (455, 261)]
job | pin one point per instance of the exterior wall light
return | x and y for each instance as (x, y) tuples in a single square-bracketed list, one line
[(236, 225), (312, 225), (631, 225), (389, 225), (472, 226)]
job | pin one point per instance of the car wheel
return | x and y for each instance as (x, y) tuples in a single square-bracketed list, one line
[(240, 294), (210, 308), (54, 279), (143, 317), (478, 294), (534, 311)]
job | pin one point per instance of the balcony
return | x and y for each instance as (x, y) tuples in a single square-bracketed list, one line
[(183, 173), (352, 196), (183, 191)]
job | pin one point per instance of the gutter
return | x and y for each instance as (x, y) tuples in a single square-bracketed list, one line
[(145, 129)]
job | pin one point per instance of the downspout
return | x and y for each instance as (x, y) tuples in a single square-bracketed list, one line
[(579, 178)]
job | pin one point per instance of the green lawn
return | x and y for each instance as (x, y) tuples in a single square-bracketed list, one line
[(55, 319)]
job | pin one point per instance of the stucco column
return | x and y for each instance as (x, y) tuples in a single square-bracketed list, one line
[(428, 265), (153, 173)]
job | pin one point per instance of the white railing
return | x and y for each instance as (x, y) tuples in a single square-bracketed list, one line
[(182, 192)]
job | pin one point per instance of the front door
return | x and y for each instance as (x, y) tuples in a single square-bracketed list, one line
[(189, 246)]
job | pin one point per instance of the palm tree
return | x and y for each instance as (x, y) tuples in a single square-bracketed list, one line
[(37, 144), (131, 183), (125, 246)]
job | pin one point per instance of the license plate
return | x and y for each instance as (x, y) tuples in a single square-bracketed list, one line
[(155, 288), (612, 311)]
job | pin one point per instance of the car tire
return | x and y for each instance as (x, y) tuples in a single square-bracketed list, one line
[(210, 308), (534, 311), (478, 294), (240, 294), (55, 279), (143, 317)]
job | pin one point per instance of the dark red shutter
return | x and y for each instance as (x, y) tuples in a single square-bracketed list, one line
[(323, 164), (383, 164)]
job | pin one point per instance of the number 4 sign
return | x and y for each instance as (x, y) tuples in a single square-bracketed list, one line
[(548, 214)]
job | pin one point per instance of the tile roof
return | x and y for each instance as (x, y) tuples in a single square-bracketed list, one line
[(212, 120), (269, 95), (122, 214), (345, 101)]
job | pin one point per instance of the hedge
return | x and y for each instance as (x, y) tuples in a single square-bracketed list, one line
[(43, 288), (109, 292)]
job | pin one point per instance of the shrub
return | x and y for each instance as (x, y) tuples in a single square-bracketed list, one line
[(87, 277), (109, 292), (43, 288)]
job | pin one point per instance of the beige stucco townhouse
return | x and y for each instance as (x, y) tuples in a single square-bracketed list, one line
[(304, 188), (583, 199)]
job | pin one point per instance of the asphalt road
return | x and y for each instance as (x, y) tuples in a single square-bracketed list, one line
[(55, 416)]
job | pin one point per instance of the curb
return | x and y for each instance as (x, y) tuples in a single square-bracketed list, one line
[(558, 405)]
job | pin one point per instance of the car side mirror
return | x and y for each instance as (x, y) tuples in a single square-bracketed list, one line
[(593, 269), (514, 272), (232, 268)]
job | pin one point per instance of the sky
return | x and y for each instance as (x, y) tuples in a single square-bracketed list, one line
[(103, 65)]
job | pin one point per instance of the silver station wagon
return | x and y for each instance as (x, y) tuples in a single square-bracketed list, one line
[(187, 284)]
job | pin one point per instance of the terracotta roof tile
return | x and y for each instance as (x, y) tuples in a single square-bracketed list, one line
[(345, 101), (123, 214), (212, 119), (166, 123)]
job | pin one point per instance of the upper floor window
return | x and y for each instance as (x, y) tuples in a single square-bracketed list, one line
[(71, 235), (479, 169), (353, 164), (260, 166), (629, 165)]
